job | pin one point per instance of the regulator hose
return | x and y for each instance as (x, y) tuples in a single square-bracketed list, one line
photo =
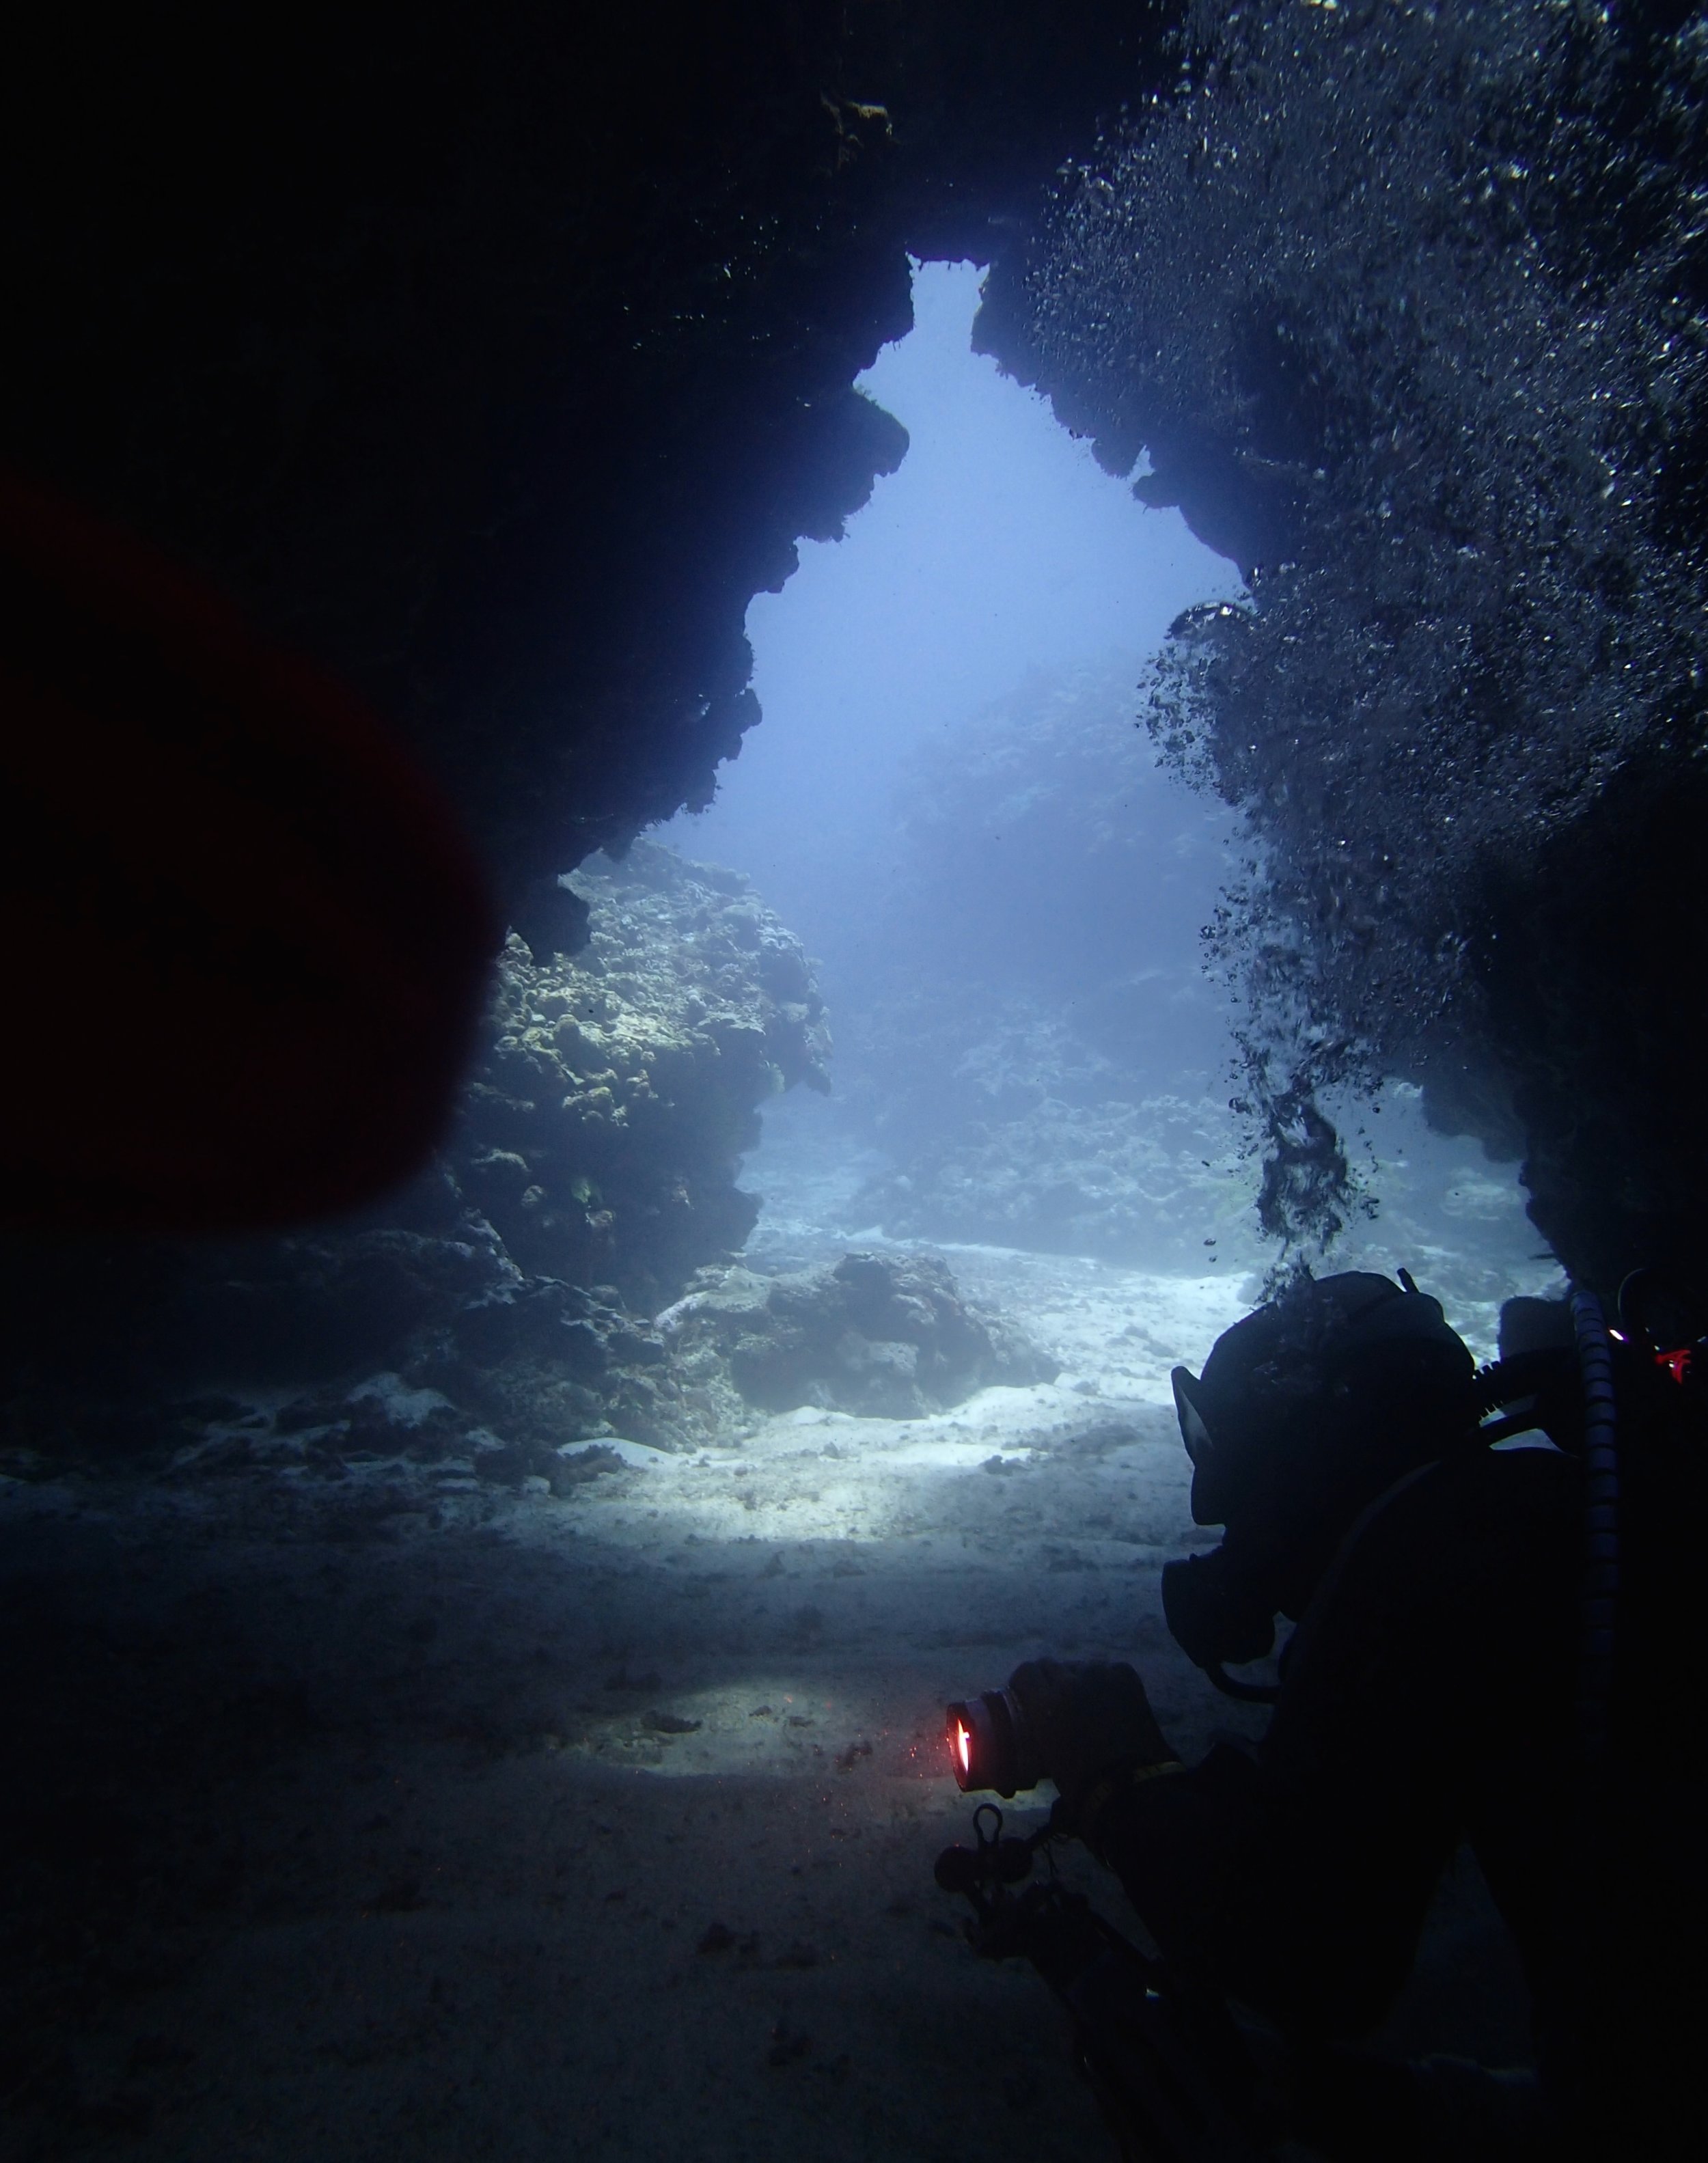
[(1600, 1522), (1247, 1693)]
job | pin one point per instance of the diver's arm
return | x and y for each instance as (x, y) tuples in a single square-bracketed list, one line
[(1303, 1905), (1423, 1679), (1233, 1864), (1297, 1878)]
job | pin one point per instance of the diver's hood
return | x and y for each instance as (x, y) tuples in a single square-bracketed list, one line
[(1308, 1377), (1305, 1412)]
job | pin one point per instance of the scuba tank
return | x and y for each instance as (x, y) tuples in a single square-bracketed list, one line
[(1630, 1398)]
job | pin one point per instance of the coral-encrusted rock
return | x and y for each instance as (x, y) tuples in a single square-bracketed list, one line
[(527, 1364), (1462, 704), (605, 1127), (882, 1335), (593, 1171), (547, 1363)]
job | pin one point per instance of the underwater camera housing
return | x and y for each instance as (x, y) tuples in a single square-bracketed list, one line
[(991, 1746)]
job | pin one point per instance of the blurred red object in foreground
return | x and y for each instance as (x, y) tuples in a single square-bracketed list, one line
[(243, 944)]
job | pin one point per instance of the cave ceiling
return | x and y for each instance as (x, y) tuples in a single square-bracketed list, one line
[(498, 357)]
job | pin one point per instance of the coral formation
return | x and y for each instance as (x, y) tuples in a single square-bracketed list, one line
[(605, 1124), (592, 1172), (885, 1335), (440, 1350)]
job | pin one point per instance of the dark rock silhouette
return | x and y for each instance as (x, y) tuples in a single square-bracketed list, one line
[(497, 357), (1441, 395)]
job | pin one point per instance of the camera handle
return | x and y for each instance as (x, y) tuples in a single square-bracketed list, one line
[(1173, 2080)]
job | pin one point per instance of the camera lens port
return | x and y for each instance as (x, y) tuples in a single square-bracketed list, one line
[(990, 1745)]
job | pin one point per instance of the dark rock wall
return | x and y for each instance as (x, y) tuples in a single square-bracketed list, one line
[(1406, 307), (498, 355)]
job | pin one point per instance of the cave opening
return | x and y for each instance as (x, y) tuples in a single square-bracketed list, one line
[(953, 800), (478, 1665)]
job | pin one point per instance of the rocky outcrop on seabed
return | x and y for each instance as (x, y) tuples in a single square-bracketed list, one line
[(886, 1336), (466, 1365)]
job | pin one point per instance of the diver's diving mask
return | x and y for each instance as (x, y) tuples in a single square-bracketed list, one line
[(1200, 1447), (1214, 1612)]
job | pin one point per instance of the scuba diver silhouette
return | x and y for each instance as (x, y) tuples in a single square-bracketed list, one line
[(1492, 1618)]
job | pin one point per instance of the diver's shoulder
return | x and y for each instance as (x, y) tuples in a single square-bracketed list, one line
[(1496, 1505)]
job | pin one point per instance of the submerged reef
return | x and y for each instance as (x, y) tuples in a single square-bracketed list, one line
[(1440, 390), (592, 1172), (1039, 1054), (605, 1121), (492, 1325), (495, 359)]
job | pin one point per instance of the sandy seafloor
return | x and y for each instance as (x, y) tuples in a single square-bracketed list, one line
[(386, 1818)]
